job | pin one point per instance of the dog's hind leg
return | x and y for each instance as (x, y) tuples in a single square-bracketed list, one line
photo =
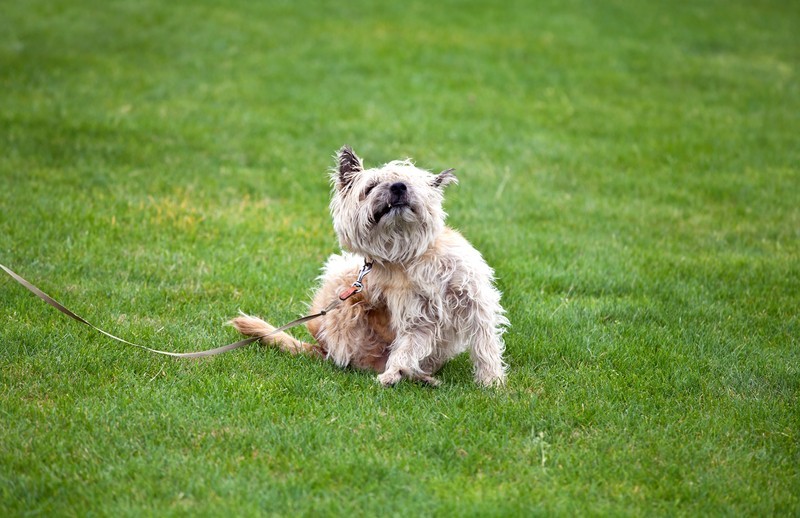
[(252, 326), (487, 358)]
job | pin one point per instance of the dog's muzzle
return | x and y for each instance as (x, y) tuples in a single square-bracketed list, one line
[(398, 194), (398, 200)]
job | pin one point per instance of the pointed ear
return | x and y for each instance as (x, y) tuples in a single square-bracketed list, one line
[(348, 164), (444, 178)]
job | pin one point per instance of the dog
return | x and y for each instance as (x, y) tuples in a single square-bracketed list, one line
[(429, 296)]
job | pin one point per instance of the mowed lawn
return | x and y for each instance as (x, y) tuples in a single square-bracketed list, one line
[(631, 169)]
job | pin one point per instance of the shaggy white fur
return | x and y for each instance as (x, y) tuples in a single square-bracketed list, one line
[(430, 294)]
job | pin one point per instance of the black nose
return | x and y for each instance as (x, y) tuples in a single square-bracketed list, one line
[(398, 188)]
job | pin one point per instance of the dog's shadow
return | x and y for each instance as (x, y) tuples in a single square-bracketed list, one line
[(456, 372)]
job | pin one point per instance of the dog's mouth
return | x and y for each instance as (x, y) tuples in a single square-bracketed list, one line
[(390, 208)]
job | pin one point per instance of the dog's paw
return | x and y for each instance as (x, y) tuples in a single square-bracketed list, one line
[(491, 380), (389, 378), (429, 380)]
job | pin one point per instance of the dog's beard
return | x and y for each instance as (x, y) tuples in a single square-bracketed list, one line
[(398, 233), (398, 241), (401, 210), (395, 234)]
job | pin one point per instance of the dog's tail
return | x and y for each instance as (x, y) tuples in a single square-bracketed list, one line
[(253, 326)]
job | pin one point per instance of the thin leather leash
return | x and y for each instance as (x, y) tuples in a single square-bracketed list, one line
[(356, 287)]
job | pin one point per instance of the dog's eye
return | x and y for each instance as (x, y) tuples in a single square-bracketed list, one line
[(369, 189)]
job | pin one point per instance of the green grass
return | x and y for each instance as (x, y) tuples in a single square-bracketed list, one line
[(630, 168)]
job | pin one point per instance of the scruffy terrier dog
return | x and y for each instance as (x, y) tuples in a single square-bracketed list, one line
[(428, 297)]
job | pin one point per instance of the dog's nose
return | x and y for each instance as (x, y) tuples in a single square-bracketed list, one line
[(398, 188)]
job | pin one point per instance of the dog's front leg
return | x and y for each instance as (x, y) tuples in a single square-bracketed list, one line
[(405, 355)]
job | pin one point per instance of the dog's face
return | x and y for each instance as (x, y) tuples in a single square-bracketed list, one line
[(391, 213)]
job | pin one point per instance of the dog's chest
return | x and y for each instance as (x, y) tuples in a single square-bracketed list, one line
[(408, 295)]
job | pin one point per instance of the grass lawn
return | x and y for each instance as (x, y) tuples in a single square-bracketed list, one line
[(631, 169)]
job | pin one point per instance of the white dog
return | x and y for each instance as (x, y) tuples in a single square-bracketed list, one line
[(429, 295)]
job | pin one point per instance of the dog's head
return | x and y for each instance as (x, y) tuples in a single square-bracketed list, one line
[(391, 213)]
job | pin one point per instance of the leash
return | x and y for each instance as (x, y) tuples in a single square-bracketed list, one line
[(356, 287)]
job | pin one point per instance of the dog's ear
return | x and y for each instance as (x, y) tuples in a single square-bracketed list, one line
[(444, 178), (348, 165)]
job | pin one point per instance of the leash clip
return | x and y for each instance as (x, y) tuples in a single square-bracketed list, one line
[(363, 273), (358, 285)]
